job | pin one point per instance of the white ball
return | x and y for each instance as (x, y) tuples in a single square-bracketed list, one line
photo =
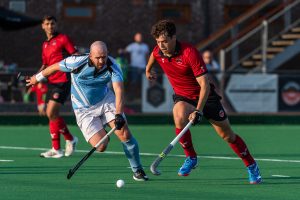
[(120, 183)]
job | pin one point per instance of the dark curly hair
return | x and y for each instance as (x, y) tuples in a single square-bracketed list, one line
[(49, 18), (163, 27)]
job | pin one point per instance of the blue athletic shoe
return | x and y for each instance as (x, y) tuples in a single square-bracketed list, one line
[(188, 165), (254, 174)]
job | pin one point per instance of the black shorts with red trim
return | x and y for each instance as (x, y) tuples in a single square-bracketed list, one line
[(58, 92), (213, 108)]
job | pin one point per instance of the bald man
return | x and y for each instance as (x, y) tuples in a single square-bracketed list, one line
[(94, 104)]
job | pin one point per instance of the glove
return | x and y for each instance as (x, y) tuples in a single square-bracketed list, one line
[(119, 121), (198, 117)]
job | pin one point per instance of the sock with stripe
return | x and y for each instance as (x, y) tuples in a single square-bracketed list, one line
[(55, 137), (240, 148), (63, 129), (186, 143)]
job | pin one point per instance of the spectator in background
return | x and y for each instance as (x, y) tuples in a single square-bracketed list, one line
[(40, 91), (139, 53), (213, 68), (1, 98), (211, 64), (123, 63)]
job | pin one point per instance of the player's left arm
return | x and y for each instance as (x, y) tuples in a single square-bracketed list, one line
[(200, 72), (119, 93), (204, 91), (197, 115), (118, 86)]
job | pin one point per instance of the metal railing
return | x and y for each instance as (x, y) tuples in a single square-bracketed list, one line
[(232, 25), (264, 35)]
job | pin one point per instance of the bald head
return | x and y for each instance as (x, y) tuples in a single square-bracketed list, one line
[(98, 54), (98, 46)]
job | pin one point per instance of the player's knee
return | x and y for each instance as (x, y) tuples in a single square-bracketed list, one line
[(51, 115), (230, 138), (103, 146), (180, 121)]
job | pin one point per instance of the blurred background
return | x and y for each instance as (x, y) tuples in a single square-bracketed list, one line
[(251, 48)]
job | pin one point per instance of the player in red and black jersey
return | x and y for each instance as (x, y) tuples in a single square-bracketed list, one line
[(53, 51), (194, 96)]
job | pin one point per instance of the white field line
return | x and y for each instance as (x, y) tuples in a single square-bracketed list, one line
[(156, 154), (281, 176), (6, 161)]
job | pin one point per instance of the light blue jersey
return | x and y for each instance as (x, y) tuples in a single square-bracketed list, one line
[(88, 86)]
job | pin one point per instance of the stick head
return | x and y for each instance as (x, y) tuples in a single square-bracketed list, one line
[(155, 171), (70, 174)]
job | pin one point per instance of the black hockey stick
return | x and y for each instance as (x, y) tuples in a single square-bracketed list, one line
[(75, 168)]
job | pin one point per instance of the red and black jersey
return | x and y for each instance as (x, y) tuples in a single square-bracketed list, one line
[(53, 52), (182, 69)]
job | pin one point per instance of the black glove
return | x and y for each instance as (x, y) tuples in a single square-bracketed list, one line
[(119, 121), (198, 117)]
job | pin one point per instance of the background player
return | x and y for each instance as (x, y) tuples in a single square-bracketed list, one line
[(94, 104), (194, 97), (58, 87), (40, 91)]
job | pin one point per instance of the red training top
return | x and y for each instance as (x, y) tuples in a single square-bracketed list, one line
[(52, 52), (182, 69)]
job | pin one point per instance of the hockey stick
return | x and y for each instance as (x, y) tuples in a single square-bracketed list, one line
[(157, 161), (19, 75), (75, 168)]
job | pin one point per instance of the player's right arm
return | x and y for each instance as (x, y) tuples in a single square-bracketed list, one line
[(42, 68), (42, 74), (151, 75)]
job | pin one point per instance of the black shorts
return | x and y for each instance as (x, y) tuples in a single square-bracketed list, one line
[(58, 92), (213, 108)]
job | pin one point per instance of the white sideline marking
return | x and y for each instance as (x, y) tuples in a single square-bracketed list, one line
[(156, 154), (281, 176), (6, 160)]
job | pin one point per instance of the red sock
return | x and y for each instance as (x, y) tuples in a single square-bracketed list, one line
[(54, 135), (240, 148), (186, 143), (63, 129)]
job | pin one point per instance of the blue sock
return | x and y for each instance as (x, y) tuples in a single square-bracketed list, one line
[(131, 149)]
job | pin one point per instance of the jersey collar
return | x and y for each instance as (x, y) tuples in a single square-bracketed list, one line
[(54, 36), (176, 52), (97, 72)]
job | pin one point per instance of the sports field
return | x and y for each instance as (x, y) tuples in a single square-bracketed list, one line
[(220, 175)]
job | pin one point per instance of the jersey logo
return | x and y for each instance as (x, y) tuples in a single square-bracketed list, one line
[(53, 43), (163, 60), (178, 60), (55, 95)]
